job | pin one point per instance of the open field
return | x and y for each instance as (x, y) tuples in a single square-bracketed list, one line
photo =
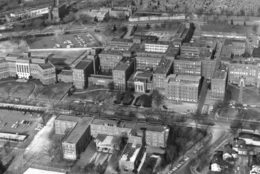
[(32, 90), (53, 92), (16, 89)]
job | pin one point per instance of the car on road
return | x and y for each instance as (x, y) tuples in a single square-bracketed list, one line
[(174, 169), (186, 158)]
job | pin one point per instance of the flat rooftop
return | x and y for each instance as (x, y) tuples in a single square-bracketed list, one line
[(189, 78), (122, 40), (224, 28), (123, 64), (111, 52), (152, 127), (220, 74), (46, 65), (83, 64), (163, 67), (131, 152), (66, 72), (79, 130), (126, 124), (68, 118), (182, 58)]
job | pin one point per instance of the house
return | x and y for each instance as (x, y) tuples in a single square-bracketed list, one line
[(107, 144), (131, 158)]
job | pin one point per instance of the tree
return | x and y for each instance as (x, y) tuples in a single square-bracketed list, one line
[(232, 22), (114, 28), (171, 153), (242, 12), (253, 126), (148, 26), (157, 98), (95, 19), (235, 126), (111, 86)]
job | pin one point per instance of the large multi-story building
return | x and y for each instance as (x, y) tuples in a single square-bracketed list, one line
[(183, 87), (77, 140), (64, 124), (161, 72), (248, 69), (208, 67), (157, 47), (120, 44), (156, 135), (198, 49), (218, 86), (110, 127), (27, 66), (131, 158), (187, 66), (109, 59), (81, 72), (122, 72)]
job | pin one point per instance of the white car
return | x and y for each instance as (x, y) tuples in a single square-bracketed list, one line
[(174, 169), (186, 158)]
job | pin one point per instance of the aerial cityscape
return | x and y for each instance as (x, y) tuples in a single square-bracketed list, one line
[(129, 86)]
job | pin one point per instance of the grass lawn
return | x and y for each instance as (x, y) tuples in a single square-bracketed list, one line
[(54, 92)]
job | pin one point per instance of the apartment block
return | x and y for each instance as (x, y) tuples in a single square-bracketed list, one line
[(77, 140), (64, 124), (81, 72), (155, 135), (248, 69), (27, 66), (160, 47), (187, 66), (183, 88), (131, 158), (161, 72), (122, 72), (109, 59), (110, 127), (218, 86)]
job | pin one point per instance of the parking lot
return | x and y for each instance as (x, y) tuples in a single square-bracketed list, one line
[(18, 122), (79, 40)]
